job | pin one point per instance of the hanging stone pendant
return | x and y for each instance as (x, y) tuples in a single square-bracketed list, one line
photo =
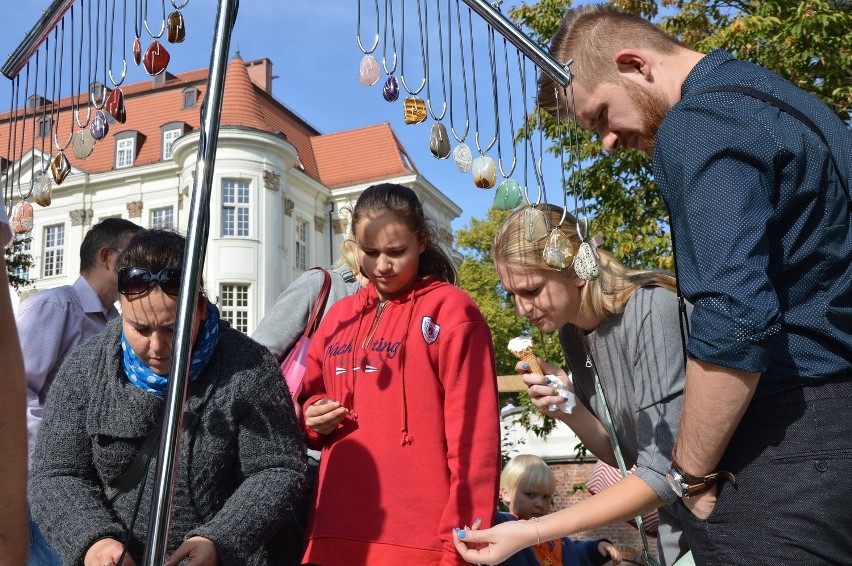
[(370, 71), (115, 106), (586, 262), (508, 195), (177, 29), (60, 167), (156, 59), (535, 224), (100, 126), (391, 89), (83, 144), (42, 187), (558, 252), (21, 218), (462, 157), (137, 51), (415, 110), (439, 144), (484, 172)]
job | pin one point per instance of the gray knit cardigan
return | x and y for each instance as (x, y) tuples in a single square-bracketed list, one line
[(241, 467)]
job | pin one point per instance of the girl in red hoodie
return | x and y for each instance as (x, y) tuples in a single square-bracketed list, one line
[(400, 394)]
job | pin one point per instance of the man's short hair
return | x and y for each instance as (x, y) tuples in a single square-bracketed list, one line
[(591, 35), (109, 233)]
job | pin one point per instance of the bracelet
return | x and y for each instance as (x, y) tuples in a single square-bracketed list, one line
[(534, 521)]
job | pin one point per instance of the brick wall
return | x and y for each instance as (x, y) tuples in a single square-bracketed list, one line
[(624, 536)]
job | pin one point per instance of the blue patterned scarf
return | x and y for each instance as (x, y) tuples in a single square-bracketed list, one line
[(144, 378)]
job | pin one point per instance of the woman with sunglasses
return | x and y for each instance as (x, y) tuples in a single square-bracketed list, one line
[(241, 463), (624, 325)]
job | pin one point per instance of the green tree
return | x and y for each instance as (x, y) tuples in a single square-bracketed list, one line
[(806, 42), (19, 262)]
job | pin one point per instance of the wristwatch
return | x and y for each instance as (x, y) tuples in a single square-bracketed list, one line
[(686, 485)]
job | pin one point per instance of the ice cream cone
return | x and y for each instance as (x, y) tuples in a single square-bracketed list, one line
[(522, 348)]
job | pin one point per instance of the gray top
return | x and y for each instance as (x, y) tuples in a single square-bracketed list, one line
[(283, 325), (639, 358), (241, 463)]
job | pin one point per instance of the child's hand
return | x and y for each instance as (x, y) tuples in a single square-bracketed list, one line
[(323, 416), (607, 549)]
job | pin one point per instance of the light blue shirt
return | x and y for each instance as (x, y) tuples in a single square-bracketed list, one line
[(51, 324)]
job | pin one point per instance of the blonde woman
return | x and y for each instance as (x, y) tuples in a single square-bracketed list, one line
[(625, 325)]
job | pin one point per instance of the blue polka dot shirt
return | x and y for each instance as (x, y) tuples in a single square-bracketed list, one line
[(760, 225)]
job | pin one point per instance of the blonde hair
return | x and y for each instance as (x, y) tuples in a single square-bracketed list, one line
[(348, 256), (528, 472), (603, 297), (591, 35)]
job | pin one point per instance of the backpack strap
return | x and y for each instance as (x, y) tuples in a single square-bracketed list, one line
[(786, 108)]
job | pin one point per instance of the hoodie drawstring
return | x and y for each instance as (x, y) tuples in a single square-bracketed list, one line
[(406, 437)]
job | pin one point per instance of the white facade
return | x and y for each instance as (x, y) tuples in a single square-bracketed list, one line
[(273, 217)]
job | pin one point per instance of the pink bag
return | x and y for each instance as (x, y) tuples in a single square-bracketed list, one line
[(295, 363)]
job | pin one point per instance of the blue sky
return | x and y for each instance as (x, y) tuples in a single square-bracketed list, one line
[(316, 58)]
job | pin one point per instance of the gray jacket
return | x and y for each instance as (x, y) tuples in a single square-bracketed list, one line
[(281, 328), (639, 358), (241, 464)]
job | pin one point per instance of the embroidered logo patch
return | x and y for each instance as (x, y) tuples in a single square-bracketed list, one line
[(430, 330)]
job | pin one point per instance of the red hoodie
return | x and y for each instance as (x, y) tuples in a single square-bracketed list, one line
[(419, 452)]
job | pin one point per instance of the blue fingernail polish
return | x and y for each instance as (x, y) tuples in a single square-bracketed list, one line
[(478, 520), (565, 398), (525, 365), (462, 534), (548, 380)]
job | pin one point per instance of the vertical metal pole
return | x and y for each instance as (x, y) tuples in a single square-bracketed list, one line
[(196, 246)]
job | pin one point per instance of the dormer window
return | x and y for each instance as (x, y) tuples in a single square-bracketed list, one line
[(170, 132), (126, 148), (190, 97)]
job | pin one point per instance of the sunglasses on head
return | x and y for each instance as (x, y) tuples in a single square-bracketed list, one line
[(138, 280)]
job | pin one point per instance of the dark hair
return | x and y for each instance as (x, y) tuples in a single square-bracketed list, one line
[(403, 203), (155, 250), (109, 233)]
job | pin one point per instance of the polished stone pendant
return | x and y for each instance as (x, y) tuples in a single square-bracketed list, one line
[(391, 89), (60, 167), (21, 218), (439, 143), (177, 28), (99, 127), (586, 262), (137, 51), (83, 144), (558, 252), (42, 187), (535, 224), (370, 71), (156, 58), (462, 157), (484, 172), (115, 106), (508, 195), (415, 110)]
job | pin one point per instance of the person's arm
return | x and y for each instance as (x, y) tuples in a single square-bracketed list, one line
[(65, 492), (283, 325), (716, 400), (471, 421), (271, 457), (629, 497), (13, 437)]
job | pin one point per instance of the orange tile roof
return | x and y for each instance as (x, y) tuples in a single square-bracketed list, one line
[(360, 155), (338, 159)]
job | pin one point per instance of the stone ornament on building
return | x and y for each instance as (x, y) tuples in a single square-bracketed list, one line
[(134, 209), (340, 226), (81, 217), (271, 180), (289, 205), (319, 224), (446, 237)]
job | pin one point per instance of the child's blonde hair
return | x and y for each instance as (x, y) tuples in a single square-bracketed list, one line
[(528, 472)]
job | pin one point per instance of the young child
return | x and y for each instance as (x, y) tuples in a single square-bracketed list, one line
[(400, 393), (527, 485)]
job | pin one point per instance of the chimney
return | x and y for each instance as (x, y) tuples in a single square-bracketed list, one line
[(260, 73)]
